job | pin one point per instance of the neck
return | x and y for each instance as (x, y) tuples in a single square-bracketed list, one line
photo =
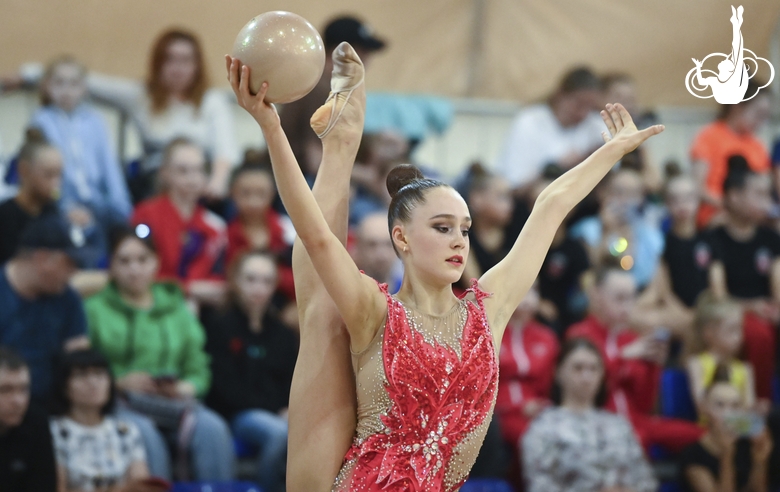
[(732, 124), (712, 443), (606, 324), (684, 229), (255, 316), (253, 220), (489, 234), (184, 205), (576, 404), (22, 278), (85, 415), (425, 297), (141, 300), (29, 202), (559, 115), (739, 229)]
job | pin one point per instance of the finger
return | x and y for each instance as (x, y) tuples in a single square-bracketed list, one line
[(233, 76), (650, 131), (608, 121), (625, 117), (228, 62), (605, 136), (613, 113), (243, 86)]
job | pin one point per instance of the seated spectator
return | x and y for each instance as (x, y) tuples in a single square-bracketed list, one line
[(724, 459), (489, 198), (258, 226), (374, 253), (40, 174), (94, 451), (683, 271), (94, 195), (576, 446), (734, 132), (620, 230), (562, 131), (253, 357), (527, 367), (633, 362), (747, 267), (155, 347), (719, 333), (190, 240), (41, 314), (621, 88), (26, 453)]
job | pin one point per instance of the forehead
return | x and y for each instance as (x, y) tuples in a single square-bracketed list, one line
[(681, 186), (582, 355), (373, 226), (618, 282), (625, 179), (185, 155), (254, 178), (724, 392), (258, 264), (14, 376), (441, 200)]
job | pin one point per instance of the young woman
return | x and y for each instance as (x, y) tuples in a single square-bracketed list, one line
[(577, 446), (427, 339), (94, 450)]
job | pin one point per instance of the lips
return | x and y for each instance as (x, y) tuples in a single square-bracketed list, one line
[(455, 260)]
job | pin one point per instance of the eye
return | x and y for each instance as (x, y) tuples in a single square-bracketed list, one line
[(441, 228), (465, 232)]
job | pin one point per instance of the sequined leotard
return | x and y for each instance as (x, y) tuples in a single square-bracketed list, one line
[(425, 388)]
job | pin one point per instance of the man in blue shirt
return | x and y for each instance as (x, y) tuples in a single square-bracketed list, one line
[(40, 314)]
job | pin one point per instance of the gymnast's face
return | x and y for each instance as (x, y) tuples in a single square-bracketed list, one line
[(435, 237)]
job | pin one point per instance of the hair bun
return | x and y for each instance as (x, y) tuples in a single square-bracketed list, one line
[(401, 176), (34, 135)]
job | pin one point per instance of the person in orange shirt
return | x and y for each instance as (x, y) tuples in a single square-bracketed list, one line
[(732, 133)]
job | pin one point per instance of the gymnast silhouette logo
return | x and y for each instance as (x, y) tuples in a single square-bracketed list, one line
[(734, 70)]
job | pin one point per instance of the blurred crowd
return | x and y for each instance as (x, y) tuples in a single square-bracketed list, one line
[(148, 327)]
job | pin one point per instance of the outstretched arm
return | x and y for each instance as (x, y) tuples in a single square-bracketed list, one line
[(511, 278), (359, 301)]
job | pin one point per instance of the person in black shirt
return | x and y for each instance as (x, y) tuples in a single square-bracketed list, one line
[(721, 459), (747, 267), (253, 358), (26, 451), (40, 175)]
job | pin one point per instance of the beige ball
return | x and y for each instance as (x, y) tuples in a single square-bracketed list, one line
[(283, 49)]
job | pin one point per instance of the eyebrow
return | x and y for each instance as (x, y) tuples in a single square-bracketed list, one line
[(450, 216)]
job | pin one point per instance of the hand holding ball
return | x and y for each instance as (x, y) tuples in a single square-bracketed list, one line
[(283, 49)]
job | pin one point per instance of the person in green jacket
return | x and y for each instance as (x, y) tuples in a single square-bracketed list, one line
[(155, 346)]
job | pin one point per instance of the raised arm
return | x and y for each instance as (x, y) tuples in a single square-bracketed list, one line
[(359, 301), (511, 278)]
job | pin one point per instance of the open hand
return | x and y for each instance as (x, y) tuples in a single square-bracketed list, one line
[(262, 111), (622, 130)]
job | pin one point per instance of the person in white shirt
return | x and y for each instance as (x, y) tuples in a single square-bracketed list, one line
[(562, 131)]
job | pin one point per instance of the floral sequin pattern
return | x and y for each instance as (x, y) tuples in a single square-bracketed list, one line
[(441, 395)]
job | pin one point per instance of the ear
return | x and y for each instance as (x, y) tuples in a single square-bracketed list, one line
[(398, 236)]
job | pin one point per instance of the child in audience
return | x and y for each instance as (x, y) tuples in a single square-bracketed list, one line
[(253, 357), (190, 240), (94, 195), (94, 451), (40, 176), (258, 226), (724, 460), (747, 266), (719, 329)]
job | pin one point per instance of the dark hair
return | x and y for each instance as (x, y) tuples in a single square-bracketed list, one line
[(407, 187), (11, 360), (477, 179), (118, 235), (569, 346), (738, 174), (34, 142), (578, 79), (157, 92), (751, 92), (49, 73), (254, 162), (67, 364)]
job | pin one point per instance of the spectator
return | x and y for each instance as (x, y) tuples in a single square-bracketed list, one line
[(733, 132), (155, 347), (94, 451), (719, 333), (190, 240), (621, 88), (683, 271), (373, 251), (576, 446), (747, 266), (41, 314), (722, 459), (620, 230), (295, 116), (527, 367), (40, 174), (633, 363), (253, 357), (94, 195), (562, 131), (26, 454), (258, 226)]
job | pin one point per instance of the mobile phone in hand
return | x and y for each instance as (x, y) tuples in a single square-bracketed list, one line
[(744, 423)]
